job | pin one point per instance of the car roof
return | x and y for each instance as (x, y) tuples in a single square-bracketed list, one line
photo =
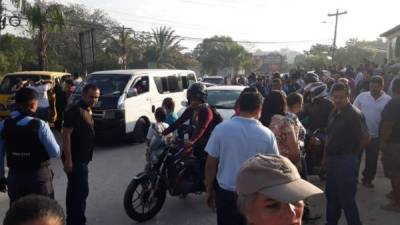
[(219, 77), (136, 71), (43, 73), (227, 87)]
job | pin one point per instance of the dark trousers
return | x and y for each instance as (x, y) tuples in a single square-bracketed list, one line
[(341, 189), (304, 168), (227, 210), (43, 113), (371, 160), (395, 181), (77, 193), (25, 183)]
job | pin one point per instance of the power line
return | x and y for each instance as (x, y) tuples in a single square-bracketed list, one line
[(84, 24)]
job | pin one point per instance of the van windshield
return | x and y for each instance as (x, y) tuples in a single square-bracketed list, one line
[(9, 83), (109, 84)]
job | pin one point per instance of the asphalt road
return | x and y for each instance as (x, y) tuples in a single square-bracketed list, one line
[(114, 166)]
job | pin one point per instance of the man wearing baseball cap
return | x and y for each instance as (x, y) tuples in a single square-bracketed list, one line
[(271, 191)]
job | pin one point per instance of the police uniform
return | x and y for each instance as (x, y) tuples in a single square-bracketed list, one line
[(28, 145)]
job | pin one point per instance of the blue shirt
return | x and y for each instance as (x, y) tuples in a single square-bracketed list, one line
[(171, 118), (233, 142), (46, 137)]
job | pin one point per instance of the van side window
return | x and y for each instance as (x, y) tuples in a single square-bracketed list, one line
[(173, 85), (162, 84), (159, 84), (191, 79), (188, 80), (141, 85)]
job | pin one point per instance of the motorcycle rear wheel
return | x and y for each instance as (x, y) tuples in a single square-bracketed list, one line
[(142, 201)]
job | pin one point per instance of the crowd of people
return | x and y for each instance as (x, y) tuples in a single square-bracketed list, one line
[(255, 165)]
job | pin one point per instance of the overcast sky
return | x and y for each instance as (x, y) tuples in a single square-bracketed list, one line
[(289, 21)]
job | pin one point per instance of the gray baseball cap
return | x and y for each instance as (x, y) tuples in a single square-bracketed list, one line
[(276, 177)]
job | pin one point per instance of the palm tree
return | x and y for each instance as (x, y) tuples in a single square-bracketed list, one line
[(165, 43), (43, 18)]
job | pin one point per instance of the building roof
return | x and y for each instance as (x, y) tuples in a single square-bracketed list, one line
[(391, 31)]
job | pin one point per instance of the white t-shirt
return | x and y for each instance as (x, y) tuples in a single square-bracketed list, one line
[(154, 133), (42, 95), (372, 110), (359, 78), (77, 81)]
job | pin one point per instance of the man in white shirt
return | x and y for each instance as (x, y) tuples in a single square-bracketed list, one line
[(371, 104), (77, 79), (42, 87), (232, 143)]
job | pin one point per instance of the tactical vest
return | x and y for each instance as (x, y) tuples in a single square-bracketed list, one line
[(23, 148)]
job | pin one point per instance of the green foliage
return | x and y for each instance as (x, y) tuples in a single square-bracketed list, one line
[(220, 52), (353, 53), (43, 18), (16, 53)]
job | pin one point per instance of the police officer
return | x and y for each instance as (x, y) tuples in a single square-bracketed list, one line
[(28, 145)]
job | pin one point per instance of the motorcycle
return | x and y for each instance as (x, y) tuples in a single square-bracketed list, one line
[(170, 168), (314, 147)]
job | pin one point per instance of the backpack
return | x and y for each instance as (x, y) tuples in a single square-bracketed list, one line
[(217, 118)]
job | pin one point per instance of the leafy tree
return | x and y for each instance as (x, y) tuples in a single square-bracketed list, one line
[(16, 53), (219, 52), (353, 53), (43, 18), (65, 52), (165, 44)]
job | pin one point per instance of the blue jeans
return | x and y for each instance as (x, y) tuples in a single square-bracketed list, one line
[(341, 189), (77, 193)]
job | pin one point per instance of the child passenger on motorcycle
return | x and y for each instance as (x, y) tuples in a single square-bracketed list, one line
[(154, 135)]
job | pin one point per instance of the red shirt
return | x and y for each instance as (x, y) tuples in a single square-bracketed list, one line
[(201, 118)]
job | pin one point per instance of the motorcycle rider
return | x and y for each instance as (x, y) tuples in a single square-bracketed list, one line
[(315, 116), (201, 118), (317, 107)]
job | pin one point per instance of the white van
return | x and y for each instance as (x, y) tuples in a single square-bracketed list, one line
[(130, 97)]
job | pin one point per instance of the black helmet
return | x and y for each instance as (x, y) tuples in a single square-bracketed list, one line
[(311, 77), (197, 91), (315, 91)]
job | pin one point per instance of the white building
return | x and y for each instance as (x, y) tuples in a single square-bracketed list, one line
[(393, 40)]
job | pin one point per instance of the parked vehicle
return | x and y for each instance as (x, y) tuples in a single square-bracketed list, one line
[(11, 80), (171, 169), (223, 98), (130, 97), (218, 80)]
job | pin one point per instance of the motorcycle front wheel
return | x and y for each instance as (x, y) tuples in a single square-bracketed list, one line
[(143, 200)]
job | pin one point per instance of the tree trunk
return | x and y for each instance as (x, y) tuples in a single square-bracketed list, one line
[(42, 47)]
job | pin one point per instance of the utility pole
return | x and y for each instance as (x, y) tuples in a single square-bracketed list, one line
[(123, 39), (337, 14), (1, 16)]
